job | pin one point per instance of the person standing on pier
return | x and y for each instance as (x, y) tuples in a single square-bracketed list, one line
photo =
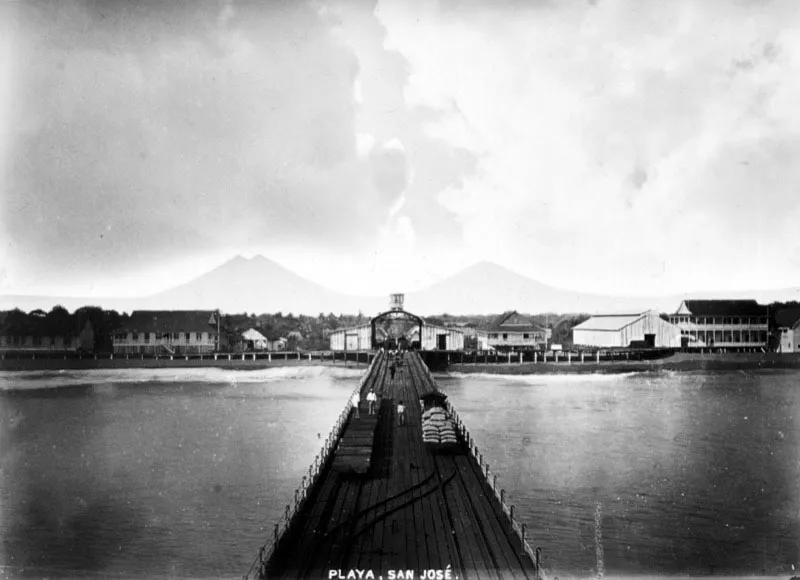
[(356, 402), (372, 398), (391, 370), (401, 413)]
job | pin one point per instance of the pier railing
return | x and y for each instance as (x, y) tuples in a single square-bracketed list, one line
[(258, 567), (520, 529)]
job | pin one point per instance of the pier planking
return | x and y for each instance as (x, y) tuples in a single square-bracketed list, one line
[(414, 509)]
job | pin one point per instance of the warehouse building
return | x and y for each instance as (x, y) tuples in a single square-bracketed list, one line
[(352, 339), (722, 324), (646, 329), (396, 328), (787, 321), (438, 338)]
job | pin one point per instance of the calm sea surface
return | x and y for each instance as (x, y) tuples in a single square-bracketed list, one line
[(181, 473)]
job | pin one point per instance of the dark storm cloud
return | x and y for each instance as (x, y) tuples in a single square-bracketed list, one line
[(148, 129)]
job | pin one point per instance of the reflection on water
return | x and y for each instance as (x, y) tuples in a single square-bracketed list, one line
[(148, 473), (696, 473)]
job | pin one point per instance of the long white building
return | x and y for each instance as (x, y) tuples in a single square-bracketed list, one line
[(722, 324), (624, 330)]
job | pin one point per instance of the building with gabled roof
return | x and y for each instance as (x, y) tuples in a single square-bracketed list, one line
[(36, 331), (512, 331), (169, 332), (722, 324), (254, 340), (644, 329), (787, 320)]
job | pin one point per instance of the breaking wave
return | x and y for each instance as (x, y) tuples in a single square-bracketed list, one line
[(545, 378), (25, 380)]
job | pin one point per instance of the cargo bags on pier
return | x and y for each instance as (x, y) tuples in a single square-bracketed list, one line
[(438, 429)]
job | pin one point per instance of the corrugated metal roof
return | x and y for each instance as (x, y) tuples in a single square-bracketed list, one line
[(609, 321), (787, 317), (527, 326), (170, 321), (726, 308), (253, 334)]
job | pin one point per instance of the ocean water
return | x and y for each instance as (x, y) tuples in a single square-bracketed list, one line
[(183, 472), (154, 473), (677, 474)]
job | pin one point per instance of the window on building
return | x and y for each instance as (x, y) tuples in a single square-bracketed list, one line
[(135, 336), (717, 336), (762, 336), (492, 335), (147, 337), (158, 336), (526, 336), (198, 336), (175, 335), (37, 341), (505, 336), (737, 336), (188, 336)]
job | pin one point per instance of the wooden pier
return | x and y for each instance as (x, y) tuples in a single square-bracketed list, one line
[(400, 505)]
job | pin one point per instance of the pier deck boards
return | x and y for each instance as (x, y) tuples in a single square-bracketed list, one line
[(415, 510)]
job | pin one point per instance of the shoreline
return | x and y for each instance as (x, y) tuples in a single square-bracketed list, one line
[(44, 364), (680, 362)]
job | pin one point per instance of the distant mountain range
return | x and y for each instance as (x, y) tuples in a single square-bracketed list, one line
[(259, 285)]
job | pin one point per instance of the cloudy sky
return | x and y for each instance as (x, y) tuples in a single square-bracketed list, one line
[(608, 145)]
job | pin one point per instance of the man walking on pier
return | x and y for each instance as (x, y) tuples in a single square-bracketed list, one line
[(356, 401), (401, 413), (391, 371), (372, 398)]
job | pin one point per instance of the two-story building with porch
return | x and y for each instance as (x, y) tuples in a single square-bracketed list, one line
[(169, 332), (513, 331), (722, 324)]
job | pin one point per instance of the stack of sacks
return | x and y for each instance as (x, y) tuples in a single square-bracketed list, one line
[(432, 422), (447, 432)]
